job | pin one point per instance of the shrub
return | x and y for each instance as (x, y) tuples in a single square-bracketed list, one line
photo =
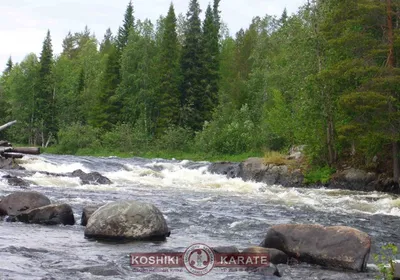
[(175, 138), (230, 132), (272, 157), (319, 175), (78, 136), (385, 261), (126, 138)]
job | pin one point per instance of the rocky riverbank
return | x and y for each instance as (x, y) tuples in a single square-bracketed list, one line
[(254, 169)]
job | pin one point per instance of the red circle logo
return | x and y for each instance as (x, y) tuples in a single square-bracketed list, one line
[(199, 259)]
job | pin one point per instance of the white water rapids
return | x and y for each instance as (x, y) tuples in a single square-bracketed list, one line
[(199, 207)]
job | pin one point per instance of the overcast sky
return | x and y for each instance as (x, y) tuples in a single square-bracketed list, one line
[(24, 23)]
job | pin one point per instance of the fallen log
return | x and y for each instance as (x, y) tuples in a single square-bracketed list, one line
[(7, 125), (13, 156), (24, 150)]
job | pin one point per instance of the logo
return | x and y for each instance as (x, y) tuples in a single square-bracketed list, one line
[(199, 259)]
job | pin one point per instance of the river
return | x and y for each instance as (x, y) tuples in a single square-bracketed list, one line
[(199, 208)]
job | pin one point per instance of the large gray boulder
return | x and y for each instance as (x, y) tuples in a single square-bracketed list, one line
[(18, 202), (48, 215), (127, 220), (335, 247)]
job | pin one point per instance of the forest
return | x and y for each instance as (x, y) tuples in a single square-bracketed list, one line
[(326, 77)]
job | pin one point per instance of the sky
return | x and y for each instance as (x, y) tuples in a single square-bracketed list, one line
[(24, 23)]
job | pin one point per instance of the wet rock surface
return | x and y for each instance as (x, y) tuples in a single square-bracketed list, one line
[(337, 247), (127, 220), (48, 215), (87, 212), (92, 178), (18, 202)]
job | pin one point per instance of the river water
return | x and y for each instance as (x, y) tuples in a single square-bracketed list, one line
[(199, 208)]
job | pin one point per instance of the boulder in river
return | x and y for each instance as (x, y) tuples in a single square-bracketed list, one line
[(48, 215), (92, 178), (87, 212), (230, 169), (127, 220), (18, 202), (335, 246), (275, 256), (16, 181)]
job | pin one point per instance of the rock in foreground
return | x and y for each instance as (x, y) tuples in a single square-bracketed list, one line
[(335, 247), (18, 202), (127, 220), (48, 215)]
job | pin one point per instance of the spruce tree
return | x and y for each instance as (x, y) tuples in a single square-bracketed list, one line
[(123, 31), (192, 89), (108, 39), (9, 66), (210, 61), (168, 88), (45, 109)]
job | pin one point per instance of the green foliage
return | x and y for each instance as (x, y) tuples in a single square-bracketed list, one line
[(192, 89), (168, 94), (77, 136), (319, 175), (127, 26), (385, 261), (230, 132), (175, 138)]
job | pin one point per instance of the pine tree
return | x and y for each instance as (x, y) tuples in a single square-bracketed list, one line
[(45, 113), (123, 31), (168, 89), (192, 89)]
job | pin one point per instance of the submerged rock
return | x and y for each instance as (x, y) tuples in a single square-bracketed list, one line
[(16, 181), (335, 246), (48, 215), (87, 212), (275, 256), (127, 220), (9, 163), (18, 202), (92, 178)]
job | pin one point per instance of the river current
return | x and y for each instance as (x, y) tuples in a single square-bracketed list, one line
[(199, 208)]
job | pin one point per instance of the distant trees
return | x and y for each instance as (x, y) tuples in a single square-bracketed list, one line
[(326, 77)]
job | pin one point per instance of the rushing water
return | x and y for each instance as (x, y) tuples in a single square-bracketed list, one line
[(199, 208)]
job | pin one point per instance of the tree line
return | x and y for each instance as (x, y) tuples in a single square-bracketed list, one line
[(326, 77)]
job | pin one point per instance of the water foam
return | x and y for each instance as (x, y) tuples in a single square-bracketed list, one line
[(177, 175), (41, 164)]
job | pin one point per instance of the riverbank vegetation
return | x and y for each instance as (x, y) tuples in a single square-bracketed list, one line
[(326, 77)]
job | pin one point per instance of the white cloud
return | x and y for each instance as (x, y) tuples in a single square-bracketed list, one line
[(24, 23)]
